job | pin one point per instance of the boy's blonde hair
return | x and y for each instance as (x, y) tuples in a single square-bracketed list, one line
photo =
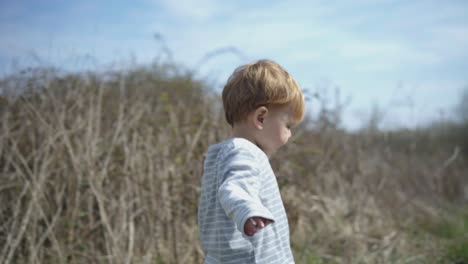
[(261, 83)]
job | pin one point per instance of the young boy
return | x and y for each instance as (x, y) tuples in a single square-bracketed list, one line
[(241, 217)]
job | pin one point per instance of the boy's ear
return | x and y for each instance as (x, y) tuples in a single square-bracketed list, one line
[(259, 116)]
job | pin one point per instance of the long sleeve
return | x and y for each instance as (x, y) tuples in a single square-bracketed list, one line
[(238, 183), (239, 192)]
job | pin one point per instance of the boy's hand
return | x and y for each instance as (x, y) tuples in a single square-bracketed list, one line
[(254, 224)]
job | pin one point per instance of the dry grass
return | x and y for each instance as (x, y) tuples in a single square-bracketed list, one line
[(106, 169)]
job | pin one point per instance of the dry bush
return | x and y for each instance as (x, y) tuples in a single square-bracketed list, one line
[(361, 198), (105, 168)]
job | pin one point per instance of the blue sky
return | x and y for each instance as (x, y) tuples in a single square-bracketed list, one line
[(408, 57)]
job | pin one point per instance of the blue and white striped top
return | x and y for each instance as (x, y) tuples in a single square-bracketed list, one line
[(238, 183)]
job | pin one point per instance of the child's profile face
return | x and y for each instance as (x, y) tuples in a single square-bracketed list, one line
[(276, 129)]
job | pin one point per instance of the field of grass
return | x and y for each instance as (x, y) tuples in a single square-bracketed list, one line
[(106, 168)]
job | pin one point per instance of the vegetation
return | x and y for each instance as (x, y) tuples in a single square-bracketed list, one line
[(106, 168)]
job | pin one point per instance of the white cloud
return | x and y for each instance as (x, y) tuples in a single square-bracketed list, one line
[(194, 10), (372, 56), (319, 30), (450, 41)]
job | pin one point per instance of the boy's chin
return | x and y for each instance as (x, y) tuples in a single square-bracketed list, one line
[(270, 153)]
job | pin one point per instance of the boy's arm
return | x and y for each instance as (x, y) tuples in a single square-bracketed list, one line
[(239, 193)]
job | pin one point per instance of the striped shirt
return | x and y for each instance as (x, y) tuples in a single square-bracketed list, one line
[(238, 183)]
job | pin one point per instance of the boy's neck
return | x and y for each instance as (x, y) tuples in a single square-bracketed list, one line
[(242, 130)]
